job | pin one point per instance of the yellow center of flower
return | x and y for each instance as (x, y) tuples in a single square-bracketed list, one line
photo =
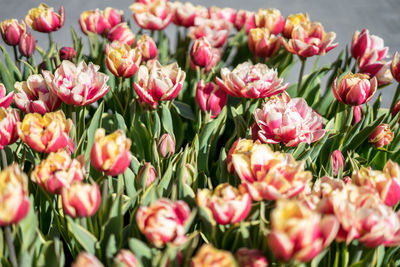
[(41, 10)]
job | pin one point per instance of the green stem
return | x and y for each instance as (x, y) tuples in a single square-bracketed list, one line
[(303, 65), (16, 56), (10, 244), (50, 39), (104, 193), (395, 97), (3, 159), (116, 97)]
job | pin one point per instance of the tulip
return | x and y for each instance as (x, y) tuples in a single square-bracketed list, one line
[(27, 44), (184, 14), (380, 70), (251, 258), (266, 174), (245, 19), (8, 126), (309, 39), (122, 60), (291, 122), (47, 133), (228, 14), (147, 46), (80, 200), (210, 98), (262, 43), (113, 16), (216, 58), (147, 174), (5, 100), (44, 19), (216, 31), (337, 160), (366, 47), (85, 259), (354, 89), (125, 258), (33, 96), (201, 53), (67, 53), (381, 136), (386, 183), (163, 222), (271, 19), (395, 67), (251, 81), (159, 83), (207, 256), (121, 33), (156, 15), (357, 114), (93, 21), (11, 31), (166, 145), (292, 21), (227, 204), (79, 85), (240, 146), (110, 153), (14, 197), (299, 233), (57, 171)]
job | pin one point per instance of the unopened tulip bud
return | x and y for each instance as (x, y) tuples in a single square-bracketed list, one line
[(381, 136), (147, 46), (121, 33), (251, 258), (262, 43), (44, 19), (27, 44), (337, 160), (11, 31), (14, 197), (80, 200), (208, 255), (245, 19), (9, 119), (211, 98), (125, 258), (113, 16), (67, 53), (5, 100), (189, 174), (85, 259), (166, 145), (93, 21), (201, 53), (147, 174), (357, 114), (395, 67)]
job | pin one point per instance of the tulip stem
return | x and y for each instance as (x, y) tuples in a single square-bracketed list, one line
[(16, 56), (50, 39), (116, 98), (104, 192), (3, 159), (10, 244), (303, 65), (395, 97)]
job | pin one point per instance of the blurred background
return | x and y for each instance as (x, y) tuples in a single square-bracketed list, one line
[(341, 16)]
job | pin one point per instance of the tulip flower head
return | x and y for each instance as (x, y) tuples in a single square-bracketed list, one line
[(216, 31), (147, 174), (245, 19), (5, 99), (93, 21), (11, 31), (337, 160), (184, 14), (395, 67), (155, 15), (44, 19), (292, 21), (208, 255), (381, 136), (271, 19), (122, 33), (85, 259), (211, 98), (14, 199), (9, 119), (27, 45), (113, 16), (262, 43), (367, 48), (201, 53), (126, 258), (147, 47), (67, 53), (80, 200), (228, 14), (122, 60), (166, 145), (251, 258)]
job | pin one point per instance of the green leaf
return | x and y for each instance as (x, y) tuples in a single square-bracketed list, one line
[(129, 178), (14, 70), (184, 110), (95, 123), (83, 236), (165, 184), (141, 250), (166, 119), (6, 78)]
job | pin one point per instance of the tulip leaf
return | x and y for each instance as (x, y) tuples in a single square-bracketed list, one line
[(28, 227), (95, 123), (6, 78), (165, 184), (141, 250), (184, 110), (166, 119), (14, 70), (129, 178), (83, 236)]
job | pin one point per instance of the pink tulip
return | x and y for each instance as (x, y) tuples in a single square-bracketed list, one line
[(380, 70), (5, 100), (262, 43), (227, 204), (79, 85), (14, 195), (33, 96), (210, 98), (395, 67), (156, 15), (113, 16), (186, 13), (245, 19), (159, 83), (354, 89), (148, 174), (44, 19), (251, 258), (251, 81), (299, 233), (122, 60), (11, 31), (126, 258), (67, 53), (201, 53), (367, 48), (228, 14), (310, 39), (166, 145), (357, 114), (292, 21), (291, 122), (147, 47), (57, 171), (110, 153), (381, 136), (216, 31), (337, 160), (80, 200), (85, 259), (208, 256), (8, 126), (271, 19), (163, 222), (122, 33), (93, 21), (27, 44)]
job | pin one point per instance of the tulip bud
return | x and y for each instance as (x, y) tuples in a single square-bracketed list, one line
[(354, 89), (395, 67), (80, 200), (14, 197), (251, 258), (228, 14), (166, 145), (155, 15), (381, 136), (147, 46), (245, 19), (271, 19), (11, 31), (201, 53), (122, 60), (57, 171), (367, 48), (262, 43), (292, 21), (113, 16), (211, 98), (5, 100), (9, 119), (125, 258), (121, 33), (44, 19), (215, 30), (337, 161), (163, 222), (357, 114), (85, 259), (185, 13), (27, 44), (147, 174), (93, 21), (207, 256), (110, 153), (189, 174), (67, 53)]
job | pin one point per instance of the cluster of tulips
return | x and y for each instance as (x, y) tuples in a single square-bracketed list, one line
[(143, 154)]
